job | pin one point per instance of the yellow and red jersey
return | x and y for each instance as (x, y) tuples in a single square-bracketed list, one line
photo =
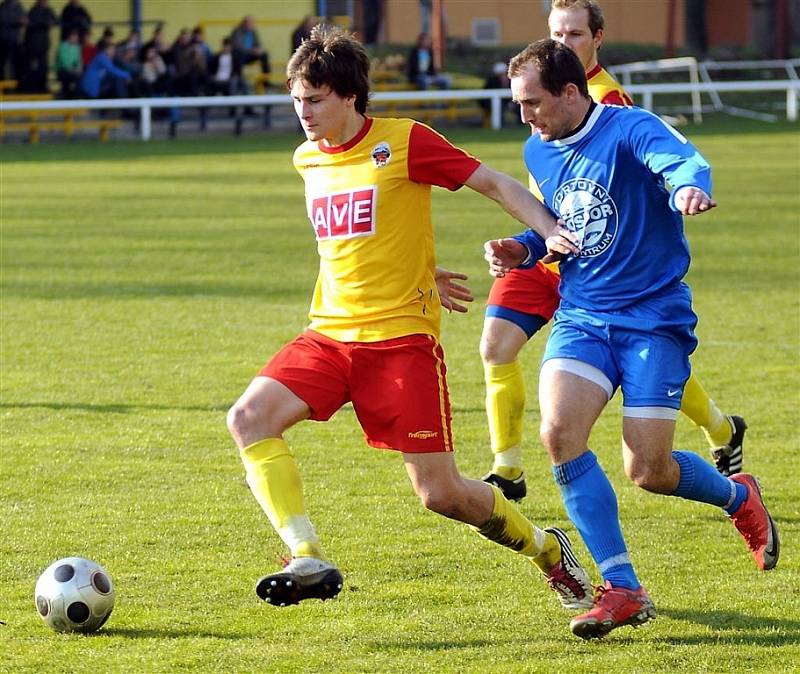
[(605, 89), (369, 202)]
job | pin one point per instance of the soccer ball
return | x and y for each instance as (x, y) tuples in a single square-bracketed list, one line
[(74, 595)]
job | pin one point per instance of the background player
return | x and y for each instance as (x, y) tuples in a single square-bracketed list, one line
[(625, 319), (373, 336), (523, 301)]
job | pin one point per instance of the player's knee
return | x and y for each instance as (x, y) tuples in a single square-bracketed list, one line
[(495, 351), (439, 501), (555, 437), (646, 475)]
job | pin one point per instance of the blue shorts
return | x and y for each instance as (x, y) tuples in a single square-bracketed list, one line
[(643, 349)]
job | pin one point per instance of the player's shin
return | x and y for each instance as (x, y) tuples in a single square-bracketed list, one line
[(505, 408), (507, 526), (703, 411), (275, 482)]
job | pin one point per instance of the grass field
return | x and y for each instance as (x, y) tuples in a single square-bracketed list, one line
[(142, 287)]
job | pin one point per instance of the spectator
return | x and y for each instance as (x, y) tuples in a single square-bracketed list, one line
[(225, 75), (497, 79), (102, 78), (127, 60), (247, 45), (106, 38), (154, 78), (420, 67), (190, 69), (132, 41), (37, 46), (372, 21), (74, 16), (156, 41), (12, 19), (68, 65), (303, 31), (88, 49), (198, 39), (181, 42)]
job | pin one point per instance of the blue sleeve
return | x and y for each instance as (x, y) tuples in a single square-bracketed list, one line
[(668, 154), (537, 249), (108, 64)]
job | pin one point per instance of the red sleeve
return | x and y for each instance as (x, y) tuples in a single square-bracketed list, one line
[(433, 160), (617, 98)]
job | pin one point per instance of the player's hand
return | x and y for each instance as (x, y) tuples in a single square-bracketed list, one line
[(560, 243), (503, 255), (450, 292), (692, 201)]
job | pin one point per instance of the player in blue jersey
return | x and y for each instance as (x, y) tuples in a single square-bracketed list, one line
[(625, 319)]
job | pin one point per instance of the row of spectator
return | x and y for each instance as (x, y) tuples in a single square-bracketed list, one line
[(106, 68)]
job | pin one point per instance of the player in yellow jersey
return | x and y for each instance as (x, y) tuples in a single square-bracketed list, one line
[(524, 301), (373, 335)]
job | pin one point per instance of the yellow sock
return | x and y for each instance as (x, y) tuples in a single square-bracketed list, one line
[(509, 527), (703, 411), (505, 409), (275, 482)]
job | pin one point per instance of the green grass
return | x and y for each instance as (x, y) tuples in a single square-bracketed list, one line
[(143, 285)]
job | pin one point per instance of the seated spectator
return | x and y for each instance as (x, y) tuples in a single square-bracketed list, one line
[(190, 70), (156, 41), (88, 49), (132, 41), (106, 38), (154, 79), (126, 60), (182, 41), (303, 31), (420, 68), (498, 79), (102, 78), (198, 38), (68, 65), (225, 74), (247, 45)]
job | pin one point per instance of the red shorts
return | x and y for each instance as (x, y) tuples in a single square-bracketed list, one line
[(530, 291), (398, 387)]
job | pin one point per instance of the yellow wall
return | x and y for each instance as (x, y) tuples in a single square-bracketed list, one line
[(522, 21)]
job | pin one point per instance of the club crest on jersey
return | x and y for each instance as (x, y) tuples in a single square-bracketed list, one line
[(588, 210), (345, 214), (381, 154)]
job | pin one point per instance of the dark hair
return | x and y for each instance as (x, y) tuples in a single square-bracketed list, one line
[(332, 57), (557, 64), (596, 19)]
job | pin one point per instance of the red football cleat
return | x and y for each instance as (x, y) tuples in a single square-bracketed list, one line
[(613, 607), (755, 525)]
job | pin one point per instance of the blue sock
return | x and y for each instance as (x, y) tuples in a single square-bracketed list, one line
[(592, 506), (700, 481)]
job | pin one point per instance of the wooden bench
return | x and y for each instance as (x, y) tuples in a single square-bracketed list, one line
[(33, 122), (7, 85)]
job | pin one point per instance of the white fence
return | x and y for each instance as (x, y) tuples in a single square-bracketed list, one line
[(647, 92)]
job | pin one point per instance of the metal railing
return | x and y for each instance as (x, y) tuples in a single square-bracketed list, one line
[(647, 92)]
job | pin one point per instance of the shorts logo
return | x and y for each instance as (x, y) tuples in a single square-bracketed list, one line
[(344, 215), (588, 210), (424, 435), (381, 154)]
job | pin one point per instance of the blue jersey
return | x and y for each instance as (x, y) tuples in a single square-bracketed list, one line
[(607, 181)]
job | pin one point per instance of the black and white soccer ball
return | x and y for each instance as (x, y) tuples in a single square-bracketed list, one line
[(74, 595)]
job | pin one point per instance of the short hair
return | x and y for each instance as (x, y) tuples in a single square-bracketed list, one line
[(334, 58), (557, 64), (596, 19)]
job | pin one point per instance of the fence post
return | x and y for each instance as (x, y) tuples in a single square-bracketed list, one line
[(791, 104), (497, 112), (144, 122)]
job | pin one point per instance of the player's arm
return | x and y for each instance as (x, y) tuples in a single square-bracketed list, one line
[(515, 200), (524, 250), (667, 153)]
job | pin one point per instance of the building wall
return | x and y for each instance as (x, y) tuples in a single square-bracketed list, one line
[(728, 22), (521, 21)]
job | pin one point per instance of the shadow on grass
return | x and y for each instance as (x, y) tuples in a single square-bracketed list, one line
[(114, 408), (172, 633), (436, 645), (746, 629)]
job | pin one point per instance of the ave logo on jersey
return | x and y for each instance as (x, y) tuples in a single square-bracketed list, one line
[(588, 210), (345, 214)]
